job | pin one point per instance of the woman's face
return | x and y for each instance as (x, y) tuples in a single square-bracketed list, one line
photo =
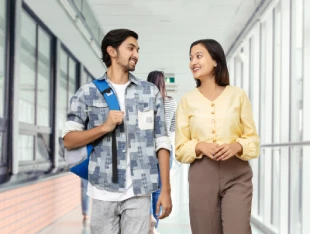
[(201, 63)]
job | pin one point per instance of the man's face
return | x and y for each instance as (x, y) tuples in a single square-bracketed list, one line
[(128, 54)]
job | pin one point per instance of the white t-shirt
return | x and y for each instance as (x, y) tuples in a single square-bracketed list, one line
[(104, 195)]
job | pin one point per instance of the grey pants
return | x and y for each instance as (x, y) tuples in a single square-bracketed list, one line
[(126, 217)]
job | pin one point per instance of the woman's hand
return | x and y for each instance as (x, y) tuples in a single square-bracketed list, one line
[(226, 151), (208, 149)]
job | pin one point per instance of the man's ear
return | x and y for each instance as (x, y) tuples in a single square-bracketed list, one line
[(111, 51)]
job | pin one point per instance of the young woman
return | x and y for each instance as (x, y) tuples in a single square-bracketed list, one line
[(158, 78), (216, 135)]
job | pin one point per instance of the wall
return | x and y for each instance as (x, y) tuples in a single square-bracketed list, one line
[(30, 208)]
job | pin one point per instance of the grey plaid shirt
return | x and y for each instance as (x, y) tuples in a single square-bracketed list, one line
[(145, 133)]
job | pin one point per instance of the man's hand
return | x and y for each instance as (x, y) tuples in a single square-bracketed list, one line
[(226, 151), (114, 118), (208, 149), (164, 201)]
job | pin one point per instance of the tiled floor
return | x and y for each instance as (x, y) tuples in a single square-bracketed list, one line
[(177, 223)]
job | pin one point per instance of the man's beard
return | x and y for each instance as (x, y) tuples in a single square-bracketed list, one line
[(128, 67)]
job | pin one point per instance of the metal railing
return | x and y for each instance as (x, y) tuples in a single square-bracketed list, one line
[(279, 188)]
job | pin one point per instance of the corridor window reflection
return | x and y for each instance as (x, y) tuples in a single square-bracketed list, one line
[(68, 86), (27, 70), (68, 81), (2, 54), (2, 77), (35, 90)]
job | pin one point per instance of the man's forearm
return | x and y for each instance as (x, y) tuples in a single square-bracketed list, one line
[(164, 166), (78, 139)]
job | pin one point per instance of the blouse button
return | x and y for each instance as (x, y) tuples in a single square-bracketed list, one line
[(212, 112), (212, 104), (214, 140), (213, 131), (212, 120)]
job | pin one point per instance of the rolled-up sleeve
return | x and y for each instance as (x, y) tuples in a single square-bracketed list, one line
[(249, 139), (162, 141), (77, 114), (184, 145)]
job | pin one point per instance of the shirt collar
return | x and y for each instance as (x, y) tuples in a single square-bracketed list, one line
[(132, 78)]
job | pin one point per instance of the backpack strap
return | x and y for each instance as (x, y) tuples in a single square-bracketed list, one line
[(108, 94), (113, 104)]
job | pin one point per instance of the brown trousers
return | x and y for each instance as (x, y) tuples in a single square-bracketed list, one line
[(220, 196)]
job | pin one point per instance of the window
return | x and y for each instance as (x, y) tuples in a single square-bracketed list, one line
[(296, 114), (86, 77), (68, 80), (238, 69), (67, 88), (35, 91), (2, 54), (2, 77)]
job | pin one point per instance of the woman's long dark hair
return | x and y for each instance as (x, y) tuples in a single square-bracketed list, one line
[(158, 78), (217, 54)]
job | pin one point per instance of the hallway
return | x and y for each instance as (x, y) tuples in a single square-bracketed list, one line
[(177, 223)]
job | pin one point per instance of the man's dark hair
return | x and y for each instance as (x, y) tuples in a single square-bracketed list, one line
[(217, 54), (114, 38)]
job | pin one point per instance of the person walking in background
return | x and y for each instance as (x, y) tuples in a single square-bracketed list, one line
[(158, 78), (216, 135), (84, 201), (122, 177)]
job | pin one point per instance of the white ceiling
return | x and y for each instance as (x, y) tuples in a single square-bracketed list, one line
[(166, 28)]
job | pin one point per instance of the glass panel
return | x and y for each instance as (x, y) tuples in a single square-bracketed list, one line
[(72, 77), (297, 73), (296, 115), (266, 81), (275, 217), (62, 92), (1, 143), (43, 147), (296, 163), (92, 22), (231, 70), (238, 70), (43, 92), (86, 77), (27, 69), (2, 54), (277, 77), (25, 145)]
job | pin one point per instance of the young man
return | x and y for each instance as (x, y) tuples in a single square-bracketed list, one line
[(121, 193)]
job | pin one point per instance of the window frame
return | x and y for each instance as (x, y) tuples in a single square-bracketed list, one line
[(69, 55), (5, 161), (35, 129)]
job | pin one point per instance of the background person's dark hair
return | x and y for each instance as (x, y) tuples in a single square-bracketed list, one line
[(216, 52), (114, 38), (158, 78)]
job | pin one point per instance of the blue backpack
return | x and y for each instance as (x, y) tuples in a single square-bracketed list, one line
[(81, 169)]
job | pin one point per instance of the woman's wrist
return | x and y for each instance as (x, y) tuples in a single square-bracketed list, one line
[(238, 147)]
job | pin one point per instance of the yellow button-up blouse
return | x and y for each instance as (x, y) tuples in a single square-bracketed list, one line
[(226, 120)]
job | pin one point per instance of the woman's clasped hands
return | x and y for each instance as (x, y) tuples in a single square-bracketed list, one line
[(219, 152)]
